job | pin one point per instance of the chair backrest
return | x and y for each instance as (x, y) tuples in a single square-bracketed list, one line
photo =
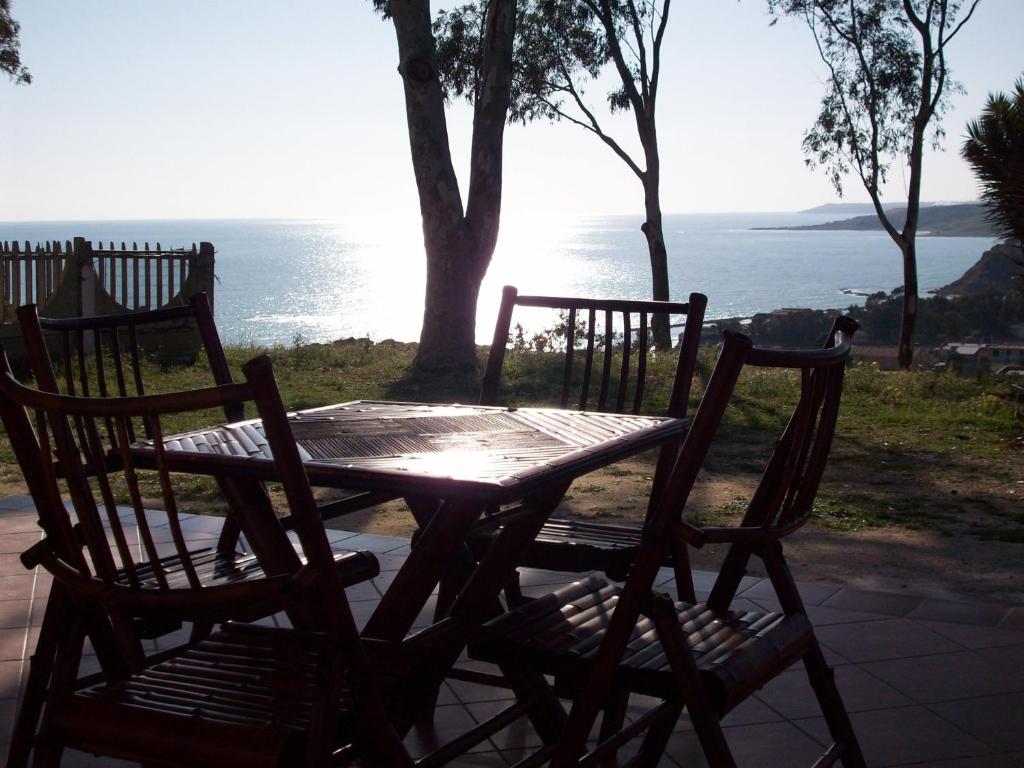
[(130, 548), (116, 345), (605, 329), (780, 504), (784, 498)]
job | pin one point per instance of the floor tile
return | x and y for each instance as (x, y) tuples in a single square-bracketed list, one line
[(14, 613), (811, 594), (519, 735), (765, 745), (470, 693), (890, 737), (886, 603), (16, 543), (1014, 619), (948, 676), (996, 720), (10, 565), (449, 721), (19, 522), (10, 676), (886, 639), (975, 637), (13, 643), (985, 761), (374, 543), (16, 587), (982, 614), (822, 616), (17, 503), (790, 694)]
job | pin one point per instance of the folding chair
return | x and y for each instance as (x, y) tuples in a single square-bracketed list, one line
[(111, 556), (600, 640), (610, 373)]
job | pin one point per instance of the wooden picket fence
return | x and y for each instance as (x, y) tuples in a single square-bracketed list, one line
[(78, 279)]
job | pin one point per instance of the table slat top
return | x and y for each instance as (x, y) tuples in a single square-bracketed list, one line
[(372, 443)]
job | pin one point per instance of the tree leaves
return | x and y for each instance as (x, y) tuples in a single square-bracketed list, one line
[(10, 47), (995, 149), (885, 78)]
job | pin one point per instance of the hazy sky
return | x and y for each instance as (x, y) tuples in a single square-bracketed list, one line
[(251, 108)]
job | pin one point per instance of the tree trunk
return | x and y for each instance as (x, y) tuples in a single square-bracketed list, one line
[(448, 336), (458, 245), (655, 233), (653, 230), (909, 320)]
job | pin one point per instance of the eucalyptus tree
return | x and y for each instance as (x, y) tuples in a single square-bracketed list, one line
[(888, 86), (561, 47), (459, 239), (994, 147), (10, 46)]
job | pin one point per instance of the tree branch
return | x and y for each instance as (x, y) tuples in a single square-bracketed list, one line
[(641, 52), (594, 126), (635, 99), (656, 63)]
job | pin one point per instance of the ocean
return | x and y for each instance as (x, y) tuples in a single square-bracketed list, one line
[(279, 281)]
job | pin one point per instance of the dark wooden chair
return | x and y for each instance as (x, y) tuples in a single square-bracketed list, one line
[(104, 356), (601, 640), (610, 374), (242, 695)]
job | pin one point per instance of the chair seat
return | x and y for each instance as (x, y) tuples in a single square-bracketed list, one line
[(736, 652), (578, 546), (241, 697), (214, 568)]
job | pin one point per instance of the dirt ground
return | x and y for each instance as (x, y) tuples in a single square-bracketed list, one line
[(929, 562), (941, 561)]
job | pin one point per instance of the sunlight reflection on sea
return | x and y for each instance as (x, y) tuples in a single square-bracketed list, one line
[(319, 280)]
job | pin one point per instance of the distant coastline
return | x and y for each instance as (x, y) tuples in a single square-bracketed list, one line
[(960, 220)]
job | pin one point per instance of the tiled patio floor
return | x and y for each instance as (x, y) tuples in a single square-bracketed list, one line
[(928, 682)]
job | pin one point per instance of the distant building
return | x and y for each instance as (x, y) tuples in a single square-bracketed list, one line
[(978, 359), (887, 357)]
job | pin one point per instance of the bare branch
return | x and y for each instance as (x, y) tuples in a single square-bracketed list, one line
[(641, 53), (958, 27), (656, 63), (628, 85)]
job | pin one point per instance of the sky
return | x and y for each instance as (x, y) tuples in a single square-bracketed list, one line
[(259, 109)]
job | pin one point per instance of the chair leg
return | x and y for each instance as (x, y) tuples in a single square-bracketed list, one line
[(652, 748), (514, 596), (612, 719), (47, 755), (712, 740), (39, 673), (547, 715), (822, 679)]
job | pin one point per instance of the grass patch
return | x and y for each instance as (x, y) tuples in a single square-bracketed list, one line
[(916, 449)]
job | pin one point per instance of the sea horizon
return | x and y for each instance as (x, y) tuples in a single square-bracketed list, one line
[(325, 278)]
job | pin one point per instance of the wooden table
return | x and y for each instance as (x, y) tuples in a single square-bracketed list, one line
[(450, 463)]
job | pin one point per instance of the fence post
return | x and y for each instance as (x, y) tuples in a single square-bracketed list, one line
[(86, 278), (201, 271)]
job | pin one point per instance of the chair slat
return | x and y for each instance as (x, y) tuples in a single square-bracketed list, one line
[(609, 341), (141, 519), (171, 504), (627, 338), (641, 364), (585, 387), (570, 344)]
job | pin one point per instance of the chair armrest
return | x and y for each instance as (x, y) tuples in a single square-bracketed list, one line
[(737, 535), (221, 602)]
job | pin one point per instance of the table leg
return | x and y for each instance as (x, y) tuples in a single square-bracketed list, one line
[(442, 535)]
